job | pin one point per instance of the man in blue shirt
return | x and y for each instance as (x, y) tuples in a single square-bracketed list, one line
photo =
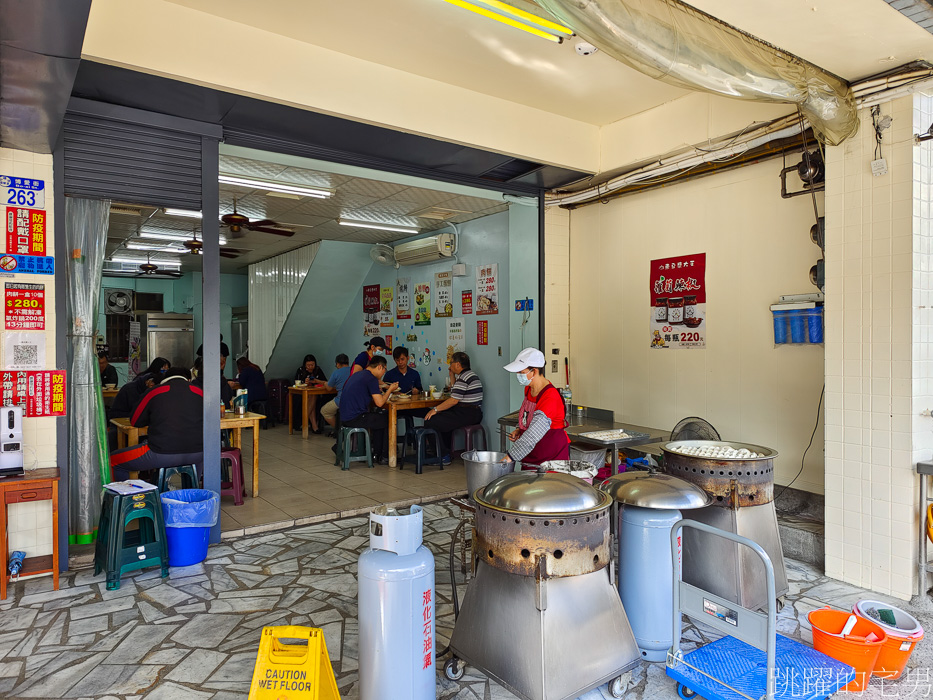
[(408, 379), (336, 381), (359, 392)]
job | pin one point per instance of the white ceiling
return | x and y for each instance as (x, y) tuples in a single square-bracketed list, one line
[(312, 219), (434, 39)]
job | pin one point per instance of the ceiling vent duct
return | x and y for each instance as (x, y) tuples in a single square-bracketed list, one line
[(426, 250)]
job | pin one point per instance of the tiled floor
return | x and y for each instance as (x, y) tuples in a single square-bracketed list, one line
[(194, 636), (299, 484)]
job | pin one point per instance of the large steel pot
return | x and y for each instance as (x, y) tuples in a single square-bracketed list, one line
[(484, 467), (732, 483)]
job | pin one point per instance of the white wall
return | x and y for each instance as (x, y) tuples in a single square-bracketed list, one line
[(757, 247), (556, 289)]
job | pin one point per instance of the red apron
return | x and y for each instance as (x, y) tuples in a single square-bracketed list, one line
[(554, 445)]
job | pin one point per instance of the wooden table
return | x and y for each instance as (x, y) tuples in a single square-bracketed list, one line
[(305, 391), (38, 485), (109, 393), (128, 435), (396, 405)]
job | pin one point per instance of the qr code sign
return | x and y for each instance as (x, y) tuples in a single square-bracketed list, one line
[(25, 355)]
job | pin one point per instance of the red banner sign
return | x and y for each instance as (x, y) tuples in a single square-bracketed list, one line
[(371, 298), (482, 332), (25, 231), (40, 394), (25, 307), (466, 299)]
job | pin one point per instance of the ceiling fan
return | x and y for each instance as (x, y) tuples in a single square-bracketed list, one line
[(150, 268), (238, 224), (195, 247)]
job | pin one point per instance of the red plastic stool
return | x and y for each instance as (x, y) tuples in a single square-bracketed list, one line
[(234, 487), (468, 432)]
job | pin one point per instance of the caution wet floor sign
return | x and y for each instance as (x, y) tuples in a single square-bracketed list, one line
[(292, 664)]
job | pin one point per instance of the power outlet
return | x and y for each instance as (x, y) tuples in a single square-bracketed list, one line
[(500, 351), (553, 366)]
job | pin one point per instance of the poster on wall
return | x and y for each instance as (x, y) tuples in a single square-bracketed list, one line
[(443, 294), (39, 394), (25, 231), (370, 324), (25, 307), (23, 351), (678, 302), (487, 289), (385, 307), (28, 264), (466, 301), (422, 304), (403, 298), (135, 339), (456, 341), (371, 298), (482, 332)]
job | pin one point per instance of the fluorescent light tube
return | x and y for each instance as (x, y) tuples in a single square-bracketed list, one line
[(270, 186), (378, 227), (140, 261), (156, 248), (187, 213), (173, 236), (512, 16)]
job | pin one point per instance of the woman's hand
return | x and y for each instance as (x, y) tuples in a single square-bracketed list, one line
[(515, 434)]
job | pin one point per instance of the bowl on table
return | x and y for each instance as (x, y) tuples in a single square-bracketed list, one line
[(436, 394), (109, 387)]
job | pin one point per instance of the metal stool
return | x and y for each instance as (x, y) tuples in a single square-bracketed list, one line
[(187, 475), (119, 550), (233, 485), (420, 444), (345, 447), (468, 432)]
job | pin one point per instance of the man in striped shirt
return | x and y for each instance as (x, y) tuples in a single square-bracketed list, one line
[(465, 405)]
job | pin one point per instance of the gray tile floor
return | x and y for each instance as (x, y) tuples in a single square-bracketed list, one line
[(195, 635)]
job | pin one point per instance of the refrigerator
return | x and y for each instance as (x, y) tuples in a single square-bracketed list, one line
[(167, 335)]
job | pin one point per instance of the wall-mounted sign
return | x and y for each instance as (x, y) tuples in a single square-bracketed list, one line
[(403, 298), (385, 307), (443, 295), (524, 304), (487, 289), (40, 394), (422, 304), (482, 332), (22, 192), (23, 351), (455, 337), (25, 307), (28, 264), (25, 231), (678, 302), (466, 301), (371, 298)]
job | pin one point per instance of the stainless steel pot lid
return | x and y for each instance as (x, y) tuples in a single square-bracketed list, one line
[(647, 490), (542, 494)]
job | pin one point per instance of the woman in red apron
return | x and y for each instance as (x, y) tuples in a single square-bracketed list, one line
[(540, 435)]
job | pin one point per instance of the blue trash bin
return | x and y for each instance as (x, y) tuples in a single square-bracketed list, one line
[(189, 516)]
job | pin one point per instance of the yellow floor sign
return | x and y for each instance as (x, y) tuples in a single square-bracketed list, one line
[(299, 670)]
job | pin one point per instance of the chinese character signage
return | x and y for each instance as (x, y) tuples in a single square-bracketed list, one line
[(426, 659), (403, 298), (25, 307), (443, 295), (455, 337), (422, 304), (482, 332), (25, 231), (385, 307), (28, 264), (371, 298), (466, 301), (487, 289), (678, 302), (40, 394), (22, 192)]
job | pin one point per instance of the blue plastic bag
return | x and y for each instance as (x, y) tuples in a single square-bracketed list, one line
[(190, 508)]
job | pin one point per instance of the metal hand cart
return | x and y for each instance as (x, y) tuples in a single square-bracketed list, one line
[(752, 662)]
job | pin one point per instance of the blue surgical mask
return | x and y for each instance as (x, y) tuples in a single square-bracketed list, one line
[(523, 379), (379, 352)]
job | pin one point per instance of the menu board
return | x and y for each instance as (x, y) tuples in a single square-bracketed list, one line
[(487, 289), (385, 307), (403, 298), (422, 304), (443, 295), (25, 306), (456, 340), (677, 288), (466, 301)]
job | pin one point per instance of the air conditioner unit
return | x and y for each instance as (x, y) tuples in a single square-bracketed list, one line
[(426, 250)]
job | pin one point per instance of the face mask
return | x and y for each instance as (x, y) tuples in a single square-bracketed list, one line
[(523, 379), (379, 352)]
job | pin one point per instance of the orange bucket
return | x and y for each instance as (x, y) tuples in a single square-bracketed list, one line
[(901, 642), (854, 649)]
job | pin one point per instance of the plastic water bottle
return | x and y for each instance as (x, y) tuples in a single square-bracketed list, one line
[(568, 398)]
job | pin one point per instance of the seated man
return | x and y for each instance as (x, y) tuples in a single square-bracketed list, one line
[(251, 378), (173, 412), (108, 373), (361, 390), (464, 407), (337, 381), (408, 379)]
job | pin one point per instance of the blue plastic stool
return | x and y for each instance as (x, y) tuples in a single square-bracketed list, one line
[(421, 434), (345, 448)]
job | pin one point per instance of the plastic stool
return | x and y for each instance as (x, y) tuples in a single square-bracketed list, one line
[(419, 437), (233, 486), (345, 447), (187, 473), (118, 550), (468, 432), (409, 422)]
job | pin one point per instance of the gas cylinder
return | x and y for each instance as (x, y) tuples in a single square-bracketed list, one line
[(396, 609)]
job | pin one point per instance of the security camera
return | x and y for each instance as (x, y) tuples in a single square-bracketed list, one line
[(585, 48)]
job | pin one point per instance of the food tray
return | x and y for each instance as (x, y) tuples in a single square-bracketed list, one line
[(612, 436)]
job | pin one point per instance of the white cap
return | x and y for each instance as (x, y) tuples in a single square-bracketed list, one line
[(529, 357)]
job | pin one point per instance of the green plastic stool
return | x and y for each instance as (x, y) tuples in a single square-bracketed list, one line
[(345, 448), (118, 550), (187, 473)]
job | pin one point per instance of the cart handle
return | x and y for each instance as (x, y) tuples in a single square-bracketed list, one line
[(771, 641)]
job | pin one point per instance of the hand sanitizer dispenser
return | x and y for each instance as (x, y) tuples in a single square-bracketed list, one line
[(11, 441)]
